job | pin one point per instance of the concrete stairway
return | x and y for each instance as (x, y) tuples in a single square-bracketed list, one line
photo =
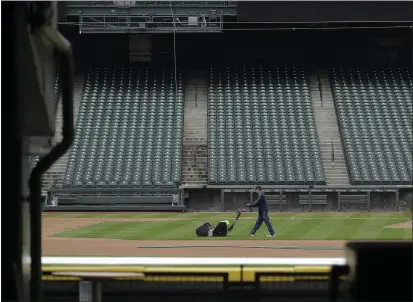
[(194, 158), (54, 176), (327, 129)]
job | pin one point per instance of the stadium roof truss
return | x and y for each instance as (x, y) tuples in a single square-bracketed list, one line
[(150, 17)]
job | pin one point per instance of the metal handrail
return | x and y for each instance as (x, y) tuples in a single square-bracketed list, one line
[(320, 89), (196, 94), (332, 154)]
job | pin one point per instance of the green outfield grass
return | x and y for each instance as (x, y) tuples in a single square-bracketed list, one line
[(288, 226)]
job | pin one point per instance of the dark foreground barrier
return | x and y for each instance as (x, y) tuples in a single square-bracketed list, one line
[(363, 276), (159, 283)]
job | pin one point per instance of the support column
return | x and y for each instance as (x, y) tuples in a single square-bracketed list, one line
[(368, 201), (281, 201), (222, 200), (180, 199), (49, 199), (96, 291), (85, 291), (339, 201), (397, 197), (90, 291), (310, 208)]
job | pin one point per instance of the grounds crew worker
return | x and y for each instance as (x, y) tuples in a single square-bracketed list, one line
[(261, 204)]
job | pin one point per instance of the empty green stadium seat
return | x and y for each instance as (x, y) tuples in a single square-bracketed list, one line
[(374, 109), (129, 129), (261, 126)]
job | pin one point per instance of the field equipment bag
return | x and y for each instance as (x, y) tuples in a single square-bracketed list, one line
[(221, 230), (203, 230)]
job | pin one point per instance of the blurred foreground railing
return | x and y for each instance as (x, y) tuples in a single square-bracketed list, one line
[(90, 278), (188, 261)]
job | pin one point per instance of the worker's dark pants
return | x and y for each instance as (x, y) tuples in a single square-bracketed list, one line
[(263, 217)]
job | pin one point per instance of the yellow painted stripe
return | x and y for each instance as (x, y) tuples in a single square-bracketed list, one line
[(60, 278), (248, 273), (129, 278), (160, 269), (277, 279), (311, 278), (292, 278), (234, 273), (312, 269), (183, 279)]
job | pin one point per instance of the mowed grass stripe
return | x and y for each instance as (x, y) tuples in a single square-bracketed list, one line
[(346, 229), (305, 227), (289, 229), (286, 227), (390, 233), (101, 230), (311, 226), (126, 215), (96, 230), (128, 230), (141, 230), (146, 230), (325, 228), (296, 228), (281, 227), (407, 234), (171, 230), (395, 234), (370, 229)]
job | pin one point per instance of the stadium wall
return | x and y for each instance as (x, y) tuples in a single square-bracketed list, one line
[(202, 200), (320, 47), (210, 200)]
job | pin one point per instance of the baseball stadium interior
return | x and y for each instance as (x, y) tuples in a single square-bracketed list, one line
[(185, 107)]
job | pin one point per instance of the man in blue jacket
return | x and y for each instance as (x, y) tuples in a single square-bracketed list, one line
[(261, 204)]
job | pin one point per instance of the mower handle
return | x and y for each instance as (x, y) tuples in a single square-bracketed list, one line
[(243, 211)]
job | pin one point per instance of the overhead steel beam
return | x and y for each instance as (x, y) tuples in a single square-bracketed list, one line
[(154, 4), (145, 11), (126, 24), (135, 30)]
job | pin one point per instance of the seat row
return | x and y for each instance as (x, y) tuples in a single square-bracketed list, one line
[(375, 116), (261, 126), (128, 141)]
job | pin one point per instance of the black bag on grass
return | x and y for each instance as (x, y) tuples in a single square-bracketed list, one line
[(207, 230), (203, 230), (221, 230)]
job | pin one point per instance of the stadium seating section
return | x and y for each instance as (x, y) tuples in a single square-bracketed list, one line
[(374, 108), (261, 127), (129, 129)]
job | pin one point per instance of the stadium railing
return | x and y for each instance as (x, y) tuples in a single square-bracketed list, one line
[(93, 274)]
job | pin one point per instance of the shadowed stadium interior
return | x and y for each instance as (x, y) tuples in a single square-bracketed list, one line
[(197, 129), (184, 111)]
